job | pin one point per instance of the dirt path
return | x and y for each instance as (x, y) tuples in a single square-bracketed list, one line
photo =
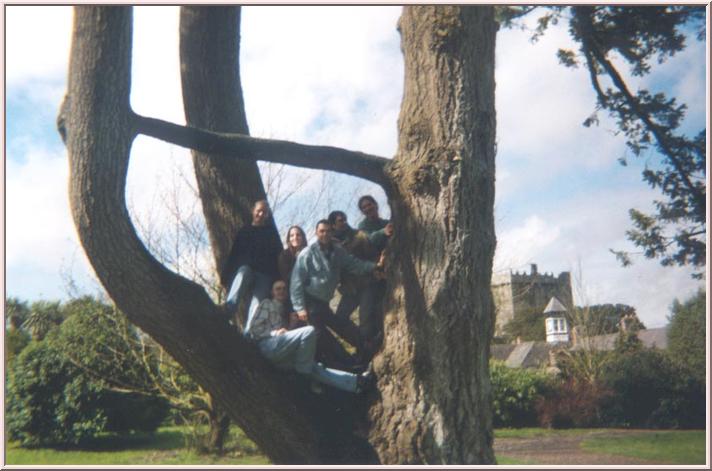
[(562, 450)]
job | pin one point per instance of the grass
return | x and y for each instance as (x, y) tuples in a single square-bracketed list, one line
[(164, 447), (667, 447)]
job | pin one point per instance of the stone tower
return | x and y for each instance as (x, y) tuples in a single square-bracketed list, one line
[(515, 292)]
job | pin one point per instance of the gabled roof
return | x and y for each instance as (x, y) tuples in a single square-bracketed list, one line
[(554, 306)]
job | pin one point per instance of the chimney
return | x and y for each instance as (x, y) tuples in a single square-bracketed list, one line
[(533, 268)]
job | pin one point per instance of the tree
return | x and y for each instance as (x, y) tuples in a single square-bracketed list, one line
[(687, 335), (606, 318), (433, 399), (16, 313), (676, 232), (526, 325), (43, 317)]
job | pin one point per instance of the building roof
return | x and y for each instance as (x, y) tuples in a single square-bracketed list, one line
[(554, 306), (536, 354), (651, 338)]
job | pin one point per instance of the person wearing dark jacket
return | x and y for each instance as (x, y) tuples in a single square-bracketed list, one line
[(251, 267)]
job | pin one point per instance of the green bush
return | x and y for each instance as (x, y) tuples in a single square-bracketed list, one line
[(515, 392), (686, 335), (15, 341), (651, 391), (48, 401)]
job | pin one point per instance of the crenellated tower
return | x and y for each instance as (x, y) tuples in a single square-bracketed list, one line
[(516, 292)]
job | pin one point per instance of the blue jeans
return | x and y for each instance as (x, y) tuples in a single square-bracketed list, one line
[(295, 349), (245, 280)]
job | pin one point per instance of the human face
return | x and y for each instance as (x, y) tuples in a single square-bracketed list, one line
[(339, 223), (323, 234), (369, 209), (296, 239), (260, 214), (279, 291)]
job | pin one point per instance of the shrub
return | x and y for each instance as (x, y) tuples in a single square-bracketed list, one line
[(48, 402), (15, 341), (651, 391), (514, 393), (686, 335), (572, 404)]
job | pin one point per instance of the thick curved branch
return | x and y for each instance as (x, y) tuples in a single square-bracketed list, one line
[(357, 164)]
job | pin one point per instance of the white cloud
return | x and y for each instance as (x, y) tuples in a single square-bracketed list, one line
[(37, 42)]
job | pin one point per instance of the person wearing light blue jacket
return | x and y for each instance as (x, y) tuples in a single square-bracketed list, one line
[(315, 277)]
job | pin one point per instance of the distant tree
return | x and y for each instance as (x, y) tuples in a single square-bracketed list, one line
[(526, 325), (687, 334), (637, 35), (43, 317), (15, 341), (606, 318), (16, 312)]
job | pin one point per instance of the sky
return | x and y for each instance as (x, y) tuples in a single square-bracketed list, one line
[(334, 76)]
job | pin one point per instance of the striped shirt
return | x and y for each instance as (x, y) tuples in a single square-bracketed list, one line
[(269, 317)]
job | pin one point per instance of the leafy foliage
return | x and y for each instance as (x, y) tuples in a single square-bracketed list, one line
[(651, 392), (42, 318), (640, 35), (527, 325), (515, 392), (15, 342), (16, 312), (687, 335), (49, 402)]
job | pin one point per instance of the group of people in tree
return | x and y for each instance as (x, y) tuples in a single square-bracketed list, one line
[(287, 292)]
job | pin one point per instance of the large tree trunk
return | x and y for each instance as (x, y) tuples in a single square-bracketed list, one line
[(434, 377), (212, 98), (432, 402)]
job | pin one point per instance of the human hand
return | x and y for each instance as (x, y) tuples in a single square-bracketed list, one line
[(281, 331), (303, 315), (388, 230)]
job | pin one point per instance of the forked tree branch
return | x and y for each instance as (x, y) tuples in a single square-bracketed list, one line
[(357, 164)]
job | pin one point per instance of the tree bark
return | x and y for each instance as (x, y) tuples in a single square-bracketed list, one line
[(432, 402), (212, 99), (434, 376)]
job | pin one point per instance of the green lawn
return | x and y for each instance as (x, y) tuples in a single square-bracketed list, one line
[(165, 447), (660, 446), (663, 446)]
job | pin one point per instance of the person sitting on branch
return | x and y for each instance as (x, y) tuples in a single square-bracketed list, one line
[(295, 349)]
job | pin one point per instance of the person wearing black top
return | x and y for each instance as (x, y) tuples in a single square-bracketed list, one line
[(252, 263)]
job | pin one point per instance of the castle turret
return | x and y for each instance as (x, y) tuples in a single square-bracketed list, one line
[(557, 329)]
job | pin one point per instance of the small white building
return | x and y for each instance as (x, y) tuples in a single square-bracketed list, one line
[(557, 328)]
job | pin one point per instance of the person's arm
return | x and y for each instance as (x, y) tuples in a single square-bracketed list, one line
[(355, 265), (260, 328)]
